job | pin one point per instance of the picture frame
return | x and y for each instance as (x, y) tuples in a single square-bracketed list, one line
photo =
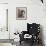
[(21, 13)]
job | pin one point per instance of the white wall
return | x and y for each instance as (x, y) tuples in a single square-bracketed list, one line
[(4, 34), (35, 13), (3, 21), (3, 1)]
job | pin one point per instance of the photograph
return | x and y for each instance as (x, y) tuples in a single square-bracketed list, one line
[(21, 13)]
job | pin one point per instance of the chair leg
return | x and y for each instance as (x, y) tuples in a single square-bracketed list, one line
[(20, 42), (32, 42)]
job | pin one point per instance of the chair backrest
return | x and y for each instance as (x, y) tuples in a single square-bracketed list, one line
[(33, 28)]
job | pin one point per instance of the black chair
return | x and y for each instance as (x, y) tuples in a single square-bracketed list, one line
[(32, 29)]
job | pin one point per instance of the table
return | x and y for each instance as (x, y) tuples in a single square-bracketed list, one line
[(16, 40)]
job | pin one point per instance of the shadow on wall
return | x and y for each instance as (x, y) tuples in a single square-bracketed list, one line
[(41, 34)]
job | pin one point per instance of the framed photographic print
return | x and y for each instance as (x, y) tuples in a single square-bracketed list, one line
[(21, 13)]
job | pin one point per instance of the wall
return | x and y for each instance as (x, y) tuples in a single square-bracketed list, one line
[(3, 1), (3, 21), (4, 34), (35, 13)]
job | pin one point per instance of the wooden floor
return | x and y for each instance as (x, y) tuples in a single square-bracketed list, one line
[(6, 40), (27, 44)]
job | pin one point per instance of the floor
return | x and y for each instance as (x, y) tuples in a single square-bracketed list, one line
[(5, 44), (22, 44), (27, 44)]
